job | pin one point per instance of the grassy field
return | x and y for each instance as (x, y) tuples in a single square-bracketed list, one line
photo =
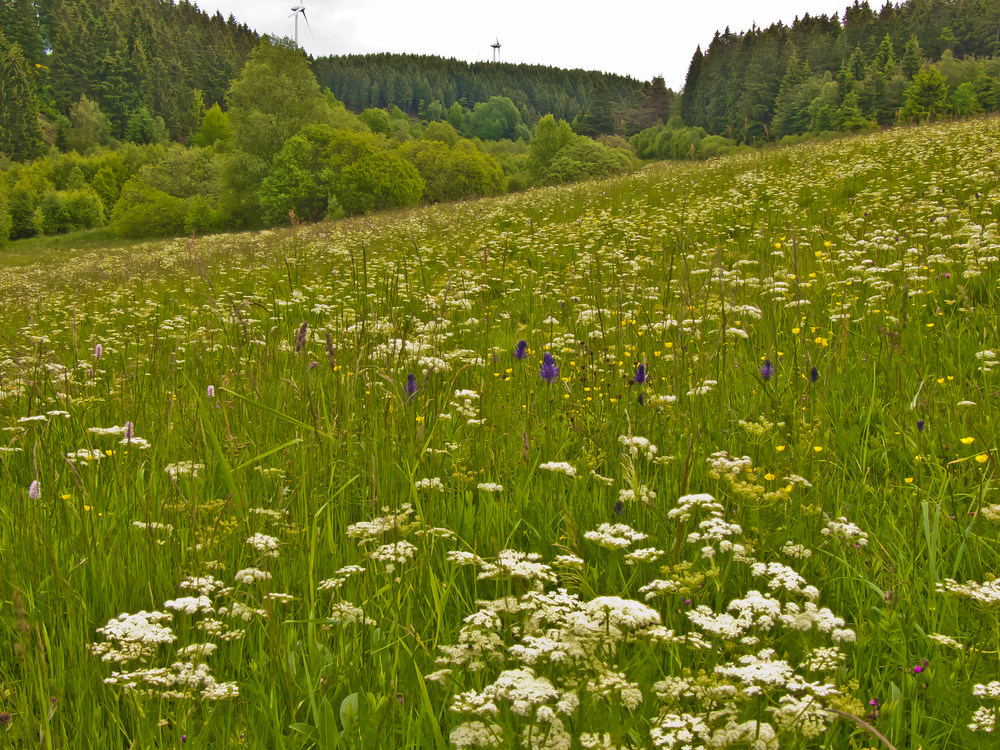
[(737, 488)]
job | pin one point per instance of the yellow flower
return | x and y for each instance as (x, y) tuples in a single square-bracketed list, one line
[(420, 418), (769, 477), (796, 330), (780, 448), (65, 497), (88, 507), (669, 345), (982, 458), (818, 448), (968, 440), (908, 480)]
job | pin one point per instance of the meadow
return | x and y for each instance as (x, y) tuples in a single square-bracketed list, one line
[(700, 457)]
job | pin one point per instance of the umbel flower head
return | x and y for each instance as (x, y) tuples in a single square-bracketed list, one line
[(550, 370), (521, 350)]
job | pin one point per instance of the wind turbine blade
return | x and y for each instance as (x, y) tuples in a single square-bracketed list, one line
[(308, 25)]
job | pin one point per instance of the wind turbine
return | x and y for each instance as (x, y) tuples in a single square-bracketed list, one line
[(496, 49), (300, 10)]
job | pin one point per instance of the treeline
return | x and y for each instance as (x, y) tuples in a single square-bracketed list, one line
[(428, 86), (148, 65), (868, 69), (284, 149)]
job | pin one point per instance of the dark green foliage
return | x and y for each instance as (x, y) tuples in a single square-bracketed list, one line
[(382, 80), (379, 180), (927, 97), (767, 83), (20, 135), (495, 120), (143, 128)]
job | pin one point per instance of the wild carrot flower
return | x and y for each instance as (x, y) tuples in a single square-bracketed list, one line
[(549, 370)]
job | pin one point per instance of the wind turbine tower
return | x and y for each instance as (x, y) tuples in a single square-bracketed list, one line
[(496, 50), (300, 10)]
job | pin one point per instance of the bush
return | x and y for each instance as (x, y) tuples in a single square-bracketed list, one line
[(144, 211), (200, 217), (453, 173), (382, 179), (4, 216), (582, 158), (85, 208)]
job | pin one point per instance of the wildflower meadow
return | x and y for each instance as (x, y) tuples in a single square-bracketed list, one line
[(701, 457)]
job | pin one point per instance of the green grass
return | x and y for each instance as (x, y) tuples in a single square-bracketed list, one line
[(872, 260)]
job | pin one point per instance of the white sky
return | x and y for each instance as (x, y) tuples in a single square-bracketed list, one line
[(642, 39)]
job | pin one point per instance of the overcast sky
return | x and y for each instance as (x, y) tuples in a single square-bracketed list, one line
[(641, 39)]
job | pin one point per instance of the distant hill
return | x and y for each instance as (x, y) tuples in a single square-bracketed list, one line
[(414, 82)]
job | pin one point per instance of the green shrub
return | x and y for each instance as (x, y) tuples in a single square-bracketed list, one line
[(144, 211), (383, 179), (453, 173), (84, 207), (4, 215)]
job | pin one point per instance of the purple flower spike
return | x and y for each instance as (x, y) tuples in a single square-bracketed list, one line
[(640, 375), (767, 370), (521, 350), (411, 385), (35, 490), (550, 370)]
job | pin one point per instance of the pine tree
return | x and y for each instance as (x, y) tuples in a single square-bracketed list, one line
[(913, 57), (20, 134)]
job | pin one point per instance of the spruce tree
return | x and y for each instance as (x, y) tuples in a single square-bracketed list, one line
[(20, 134)]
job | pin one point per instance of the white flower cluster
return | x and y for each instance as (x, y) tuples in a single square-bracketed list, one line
[(614, 536), (846, 532), (131, 637), (559, 466), (429, 483), (646, 495), (514, 564), (393, 554), (180, 680), (400, 522), (636, 446), (248, 576), (184, 469), (264, 544), (984, 593), (340, 577)]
